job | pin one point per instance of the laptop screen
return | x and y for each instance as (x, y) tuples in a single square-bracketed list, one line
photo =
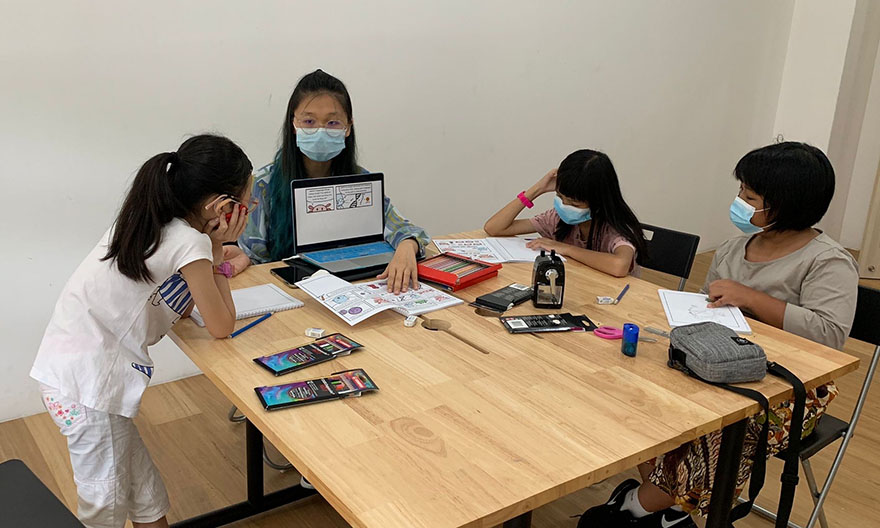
[(337, 211)]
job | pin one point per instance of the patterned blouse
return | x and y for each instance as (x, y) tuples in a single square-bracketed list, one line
[(253, 240)]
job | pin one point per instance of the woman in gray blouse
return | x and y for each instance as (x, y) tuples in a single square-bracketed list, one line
[(783, 272)]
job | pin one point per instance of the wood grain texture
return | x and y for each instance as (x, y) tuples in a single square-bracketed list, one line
[(213, 459), (473, 426)]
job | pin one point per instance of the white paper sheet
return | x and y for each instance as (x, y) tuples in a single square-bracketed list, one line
[(492, 250), (683, 308)]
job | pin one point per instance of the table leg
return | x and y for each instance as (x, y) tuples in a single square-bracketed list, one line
[(726, 472), (522, 521), (254, 463), (257, 501)]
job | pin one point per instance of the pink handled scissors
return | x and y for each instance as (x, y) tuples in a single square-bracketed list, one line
[(608, 332)]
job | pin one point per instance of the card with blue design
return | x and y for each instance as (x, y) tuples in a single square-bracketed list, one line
[(318, 351)]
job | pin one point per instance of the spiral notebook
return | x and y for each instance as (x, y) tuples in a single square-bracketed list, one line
[(256, 300)]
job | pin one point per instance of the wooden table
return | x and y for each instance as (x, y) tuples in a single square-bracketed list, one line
[(477, 427)]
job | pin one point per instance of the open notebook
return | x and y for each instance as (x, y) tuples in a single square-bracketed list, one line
[(355, 302), (492, 250), (256, 300)]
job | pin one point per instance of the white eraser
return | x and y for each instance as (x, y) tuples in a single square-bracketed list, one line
[(315, 332), (410, 321)]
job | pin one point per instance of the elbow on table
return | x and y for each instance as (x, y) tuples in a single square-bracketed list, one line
[(619, 274), (491, 230), (222, 329), (620, 269)]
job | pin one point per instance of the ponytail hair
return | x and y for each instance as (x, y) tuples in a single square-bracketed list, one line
[(173, 185)]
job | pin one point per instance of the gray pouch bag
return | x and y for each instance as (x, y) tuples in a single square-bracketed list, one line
[(714, 353)]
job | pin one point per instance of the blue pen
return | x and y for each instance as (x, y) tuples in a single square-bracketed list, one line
[(250, 325), (619, 297)]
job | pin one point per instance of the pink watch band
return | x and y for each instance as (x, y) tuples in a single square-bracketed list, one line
[(525, 200), (224, 269)]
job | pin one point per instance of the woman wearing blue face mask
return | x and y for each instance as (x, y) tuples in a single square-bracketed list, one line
[(590, 222), (318, 140), (782, 272)]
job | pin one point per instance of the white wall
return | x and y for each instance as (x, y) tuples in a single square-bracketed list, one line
[(814, 67), (467, 101), (859, 123), (865, 167), (829, 98)]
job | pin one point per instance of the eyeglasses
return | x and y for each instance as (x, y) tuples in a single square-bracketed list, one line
[(249, 206), (309, 126)]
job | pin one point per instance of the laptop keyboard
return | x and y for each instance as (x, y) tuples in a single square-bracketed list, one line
[(376, 249)]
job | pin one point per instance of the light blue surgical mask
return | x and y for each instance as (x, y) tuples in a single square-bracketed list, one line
[(741, 213), (321, 145), (570, 214)]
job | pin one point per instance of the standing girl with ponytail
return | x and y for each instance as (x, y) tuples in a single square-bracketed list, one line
[(158, 260)]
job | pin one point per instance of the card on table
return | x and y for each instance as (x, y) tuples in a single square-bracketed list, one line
[(345, 384), (318, 351)]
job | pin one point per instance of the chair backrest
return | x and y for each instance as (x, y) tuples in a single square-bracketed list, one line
[(670, 251), (866, 325)]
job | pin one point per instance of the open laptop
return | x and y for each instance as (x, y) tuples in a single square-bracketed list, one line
[(339, 222)]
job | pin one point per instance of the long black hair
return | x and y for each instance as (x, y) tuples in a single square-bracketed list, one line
[(289, 159), (173, 185), (588, 176)]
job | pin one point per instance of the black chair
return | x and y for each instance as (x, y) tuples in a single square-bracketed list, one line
[(866, 327), (670, 252), (25, 501)]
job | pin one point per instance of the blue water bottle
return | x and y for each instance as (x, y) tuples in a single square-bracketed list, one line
[(630, 341)]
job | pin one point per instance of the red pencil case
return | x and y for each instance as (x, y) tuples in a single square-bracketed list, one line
[(455, 272)]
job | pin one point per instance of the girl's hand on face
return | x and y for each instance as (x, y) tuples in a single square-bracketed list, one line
[(218, 228), (547, 244), (547, 183)]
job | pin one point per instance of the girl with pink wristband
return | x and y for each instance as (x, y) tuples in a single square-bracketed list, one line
[(590, 222)]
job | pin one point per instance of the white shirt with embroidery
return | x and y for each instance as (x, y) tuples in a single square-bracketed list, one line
[(94, 350)]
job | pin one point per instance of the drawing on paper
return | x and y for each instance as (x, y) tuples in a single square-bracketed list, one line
[(356, 302), (700, 312), (319, 199), (477, 249), (354, 195), (683, 308)]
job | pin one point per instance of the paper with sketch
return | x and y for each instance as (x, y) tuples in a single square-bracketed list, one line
[(355, 302), (492, 250), (683, 308)]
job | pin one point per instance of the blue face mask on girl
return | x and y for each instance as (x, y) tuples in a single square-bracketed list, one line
[(570, 214), (321, 145), (741, 213)]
